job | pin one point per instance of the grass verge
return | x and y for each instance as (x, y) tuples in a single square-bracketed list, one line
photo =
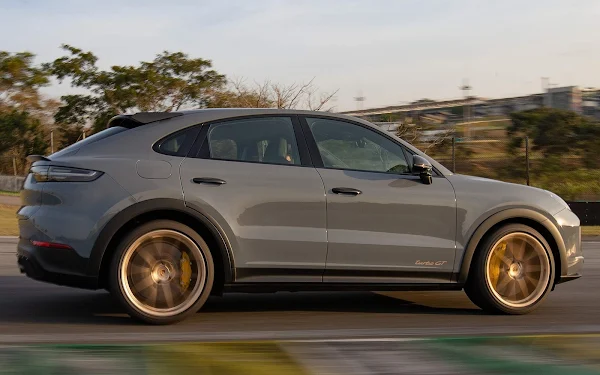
[(590, 231), (8, 220), (9, 193)]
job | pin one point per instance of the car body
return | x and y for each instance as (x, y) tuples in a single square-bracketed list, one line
[(279, 200)]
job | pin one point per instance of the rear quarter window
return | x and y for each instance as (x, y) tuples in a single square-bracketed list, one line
[(178, 143), (89, 140)]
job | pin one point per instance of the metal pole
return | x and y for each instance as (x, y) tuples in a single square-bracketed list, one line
[(83, 134), (453, 155), (15, 188), (527, 159), (52, 141)]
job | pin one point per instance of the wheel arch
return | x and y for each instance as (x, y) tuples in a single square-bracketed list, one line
[(524, 216), (154, 209)]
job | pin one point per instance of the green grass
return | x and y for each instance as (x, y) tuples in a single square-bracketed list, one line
[(9, 193)]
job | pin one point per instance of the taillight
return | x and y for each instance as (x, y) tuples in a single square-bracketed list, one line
[(48, 173)]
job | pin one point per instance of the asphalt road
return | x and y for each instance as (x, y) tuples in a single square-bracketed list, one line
[(36, 312)]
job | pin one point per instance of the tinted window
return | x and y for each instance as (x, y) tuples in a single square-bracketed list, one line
[(177, 144), (263, 140), (343, 145)]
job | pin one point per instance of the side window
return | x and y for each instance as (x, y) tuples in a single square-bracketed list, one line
[(268, 140), (177, 144), (343, 145)]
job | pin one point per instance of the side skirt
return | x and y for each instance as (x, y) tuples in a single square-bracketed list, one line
[(334, 287)]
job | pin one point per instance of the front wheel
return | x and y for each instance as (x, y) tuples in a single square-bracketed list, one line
[(512, 272), (161, 272)]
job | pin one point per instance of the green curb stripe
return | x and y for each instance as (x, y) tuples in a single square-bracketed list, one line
[(469, 353)]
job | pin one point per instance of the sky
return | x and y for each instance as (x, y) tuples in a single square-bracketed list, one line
[(390, 52)]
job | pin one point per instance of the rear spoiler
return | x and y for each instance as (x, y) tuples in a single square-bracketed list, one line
[(140, 118), (34, 158)]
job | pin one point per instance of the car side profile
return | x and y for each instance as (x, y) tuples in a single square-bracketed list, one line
[(166, 209)]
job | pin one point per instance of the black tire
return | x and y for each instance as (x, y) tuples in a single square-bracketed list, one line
[(478, 286), (200, 260)]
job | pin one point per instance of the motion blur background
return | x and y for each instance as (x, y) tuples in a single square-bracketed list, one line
[(501, 89)]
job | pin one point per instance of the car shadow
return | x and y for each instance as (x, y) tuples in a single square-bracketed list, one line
[(29, 301)]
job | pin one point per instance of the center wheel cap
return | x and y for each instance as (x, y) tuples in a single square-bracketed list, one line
[(515, 270), (161, 273)]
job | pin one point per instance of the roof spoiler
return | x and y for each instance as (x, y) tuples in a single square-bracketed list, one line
[(140, 118), (34, 158)]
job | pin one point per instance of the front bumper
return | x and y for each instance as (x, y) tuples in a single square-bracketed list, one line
[(572, 264)]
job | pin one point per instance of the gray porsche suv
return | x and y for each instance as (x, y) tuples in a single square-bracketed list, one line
[(165, 209)]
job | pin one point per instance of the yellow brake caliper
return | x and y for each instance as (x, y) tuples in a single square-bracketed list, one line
[(186, 272), (495, 261)]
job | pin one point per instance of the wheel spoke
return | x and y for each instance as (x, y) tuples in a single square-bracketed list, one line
[(513, 288), (520, 250), (147, 256), (507, 261), (152, 296), (532, 280), (144, 283), (523, 286), (533, 268), (138, 270), (166, 288), (501, 286)]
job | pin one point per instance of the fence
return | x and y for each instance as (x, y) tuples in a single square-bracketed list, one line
[(569, 176), (11, 166)]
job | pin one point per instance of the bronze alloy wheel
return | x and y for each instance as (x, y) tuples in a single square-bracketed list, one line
[(517, 270), (162, 273)]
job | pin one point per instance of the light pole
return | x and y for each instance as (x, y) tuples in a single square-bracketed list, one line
[(466, 89)]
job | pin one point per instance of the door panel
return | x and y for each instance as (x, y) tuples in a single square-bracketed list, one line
[(273, 214), (397, 229), (383, 224)]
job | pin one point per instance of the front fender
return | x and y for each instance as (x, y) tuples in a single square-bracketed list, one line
[(507, 215)]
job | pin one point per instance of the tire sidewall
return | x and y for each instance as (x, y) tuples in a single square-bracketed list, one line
[(481, 269), (116, 286)]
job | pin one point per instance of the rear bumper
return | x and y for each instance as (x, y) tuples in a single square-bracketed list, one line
[(56, 266)]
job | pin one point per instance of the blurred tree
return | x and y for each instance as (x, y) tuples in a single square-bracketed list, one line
[(20, 81), (272, 95), (554, 132), (20, 135), (170, 82)]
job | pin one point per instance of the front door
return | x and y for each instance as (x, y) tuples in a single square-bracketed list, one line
[(383, 224), (251, 177)]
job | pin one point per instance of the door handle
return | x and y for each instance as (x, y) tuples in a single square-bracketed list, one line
[(208, 181), (346, 191)]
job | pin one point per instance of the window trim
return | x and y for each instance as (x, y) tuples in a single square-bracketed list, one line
[(185, 147), (318, 161), (201, 148)]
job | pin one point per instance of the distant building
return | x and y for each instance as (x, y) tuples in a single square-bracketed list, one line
[(567, 98), (584, 101)]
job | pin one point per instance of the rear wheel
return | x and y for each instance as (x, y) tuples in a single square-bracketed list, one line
[(512, 272), (162, 272)]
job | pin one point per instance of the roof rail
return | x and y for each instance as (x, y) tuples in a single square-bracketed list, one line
[(140, 118)]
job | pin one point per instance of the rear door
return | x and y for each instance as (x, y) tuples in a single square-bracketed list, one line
[(253, 177), (383, 224)]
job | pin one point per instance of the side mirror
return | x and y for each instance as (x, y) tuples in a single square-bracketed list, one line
[(422, 167)]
